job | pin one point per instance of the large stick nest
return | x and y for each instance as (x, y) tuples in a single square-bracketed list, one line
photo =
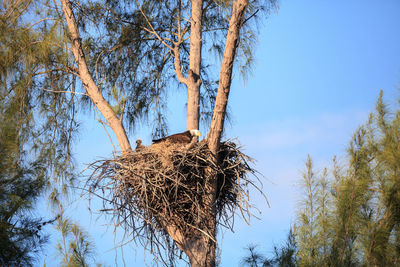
[(166, 184)]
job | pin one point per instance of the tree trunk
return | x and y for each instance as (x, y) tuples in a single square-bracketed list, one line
[(225, 79), (194, 81), (200, 246), (202, 252), (91, 88), (201, 249)]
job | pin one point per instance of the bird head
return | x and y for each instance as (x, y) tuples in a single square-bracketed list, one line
[(195, 133)]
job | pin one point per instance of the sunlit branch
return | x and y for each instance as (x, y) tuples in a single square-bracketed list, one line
[(70, 70), (68, 92), (41, 20), (152, 31)]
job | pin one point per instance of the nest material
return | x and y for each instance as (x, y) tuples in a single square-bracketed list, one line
[(165, 184)]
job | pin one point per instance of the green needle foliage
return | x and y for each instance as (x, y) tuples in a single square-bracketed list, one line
[(351, 217), (37, 126), (32, 72), (131, 66), (307, 230), (123, 52), (254, 258), (21, 183), (350, 213), (283, 256), (22, 177), (75, 247)]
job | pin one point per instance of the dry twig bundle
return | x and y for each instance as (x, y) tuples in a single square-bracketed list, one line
[(165, 184)]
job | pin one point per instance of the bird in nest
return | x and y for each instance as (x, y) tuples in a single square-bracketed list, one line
[(139, 145), (180, 138)]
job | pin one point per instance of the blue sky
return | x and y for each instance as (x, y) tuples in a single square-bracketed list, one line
[(319, 68)]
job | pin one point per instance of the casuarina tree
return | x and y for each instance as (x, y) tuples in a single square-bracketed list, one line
[(350, 215), (122, 59)]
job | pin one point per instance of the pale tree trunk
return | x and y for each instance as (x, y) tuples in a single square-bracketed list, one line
[(91, 88), (201, 249), (194, 81), (225, 79)]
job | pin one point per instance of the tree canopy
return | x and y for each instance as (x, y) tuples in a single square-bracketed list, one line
[(120, 60), (351, 217), (349, 214)]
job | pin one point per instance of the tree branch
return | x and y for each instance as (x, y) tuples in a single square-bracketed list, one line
[(221, 101), (194, 81), (152, 31), (177, 64), (177, 51), (70, 92), (91, 88)]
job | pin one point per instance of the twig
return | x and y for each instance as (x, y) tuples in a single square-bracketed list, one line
[(69, 92), (151, 26), (165, 184)]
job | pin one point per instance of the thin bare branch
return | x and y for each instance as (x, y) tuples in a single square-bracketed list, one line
[(152, 31), (163, 187), (62, 92), (177, 64)]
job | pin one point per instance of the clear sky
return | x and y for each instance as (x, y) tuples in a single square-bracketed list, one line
[(319, 68)]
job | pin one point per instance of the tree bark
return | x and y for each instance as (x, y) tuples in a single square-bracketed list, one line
[(201, 249), (194, 81), (225, 80), (91, 88)]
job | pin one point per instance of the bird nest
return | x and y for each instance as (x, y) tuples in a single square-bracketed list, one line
[(165, 184)]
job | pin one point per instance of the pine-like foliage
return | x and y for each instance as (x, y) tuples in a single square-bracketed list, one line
[(283, 255), (75, 247), (254, 258), (33, 70), (129, 49), (351, 217), (129, 46), (350, 213), (21, 182), (37, 125), (20, 185)]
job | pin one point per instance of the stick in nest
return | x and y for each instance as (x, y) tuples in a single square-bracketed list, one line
[(166, 184)]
